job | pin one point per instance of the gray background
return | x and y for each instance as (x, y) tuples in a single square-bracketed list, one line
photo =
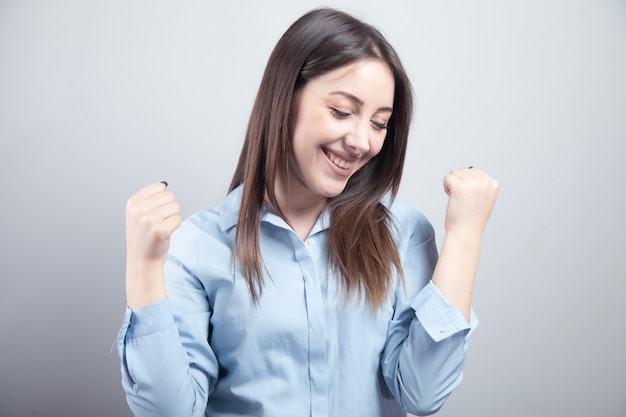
[(98, 98)]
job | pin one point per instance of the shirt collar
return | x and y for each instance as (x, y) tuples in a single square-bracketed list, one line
[(229, 213)]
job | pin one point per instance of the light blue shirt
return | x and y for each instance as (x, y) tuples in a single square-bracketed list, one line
[(305, 350)]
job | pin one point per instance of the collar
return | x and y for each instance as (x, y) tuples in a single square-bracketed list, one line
[(228, 213)]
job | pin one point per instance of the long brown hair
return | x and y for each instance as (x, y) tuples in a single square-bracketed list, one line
[(361, 249)]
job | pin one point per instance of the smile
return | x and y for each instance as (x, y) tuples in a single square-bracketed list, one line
[(337, 160)]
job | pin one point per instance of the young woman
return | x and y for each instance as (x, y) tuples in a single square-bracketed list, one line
[(310, 290)]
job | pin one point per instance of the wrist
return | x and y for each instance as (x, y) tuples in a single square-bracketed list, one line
[(145, 284), (464, 235), (144, 269)]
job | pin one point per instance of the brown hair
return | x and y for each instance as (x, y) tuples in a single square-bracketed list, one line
[(361, 249)]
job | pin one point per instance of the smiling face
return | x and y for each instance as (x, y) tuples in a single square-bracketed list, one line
[(338, 123)]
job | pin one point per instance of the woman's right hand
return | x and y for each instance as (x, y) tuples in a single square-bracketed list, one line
[(152, 215)]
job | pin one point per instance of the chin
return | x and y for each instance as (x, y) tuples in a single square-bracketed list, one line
[(332, 191)]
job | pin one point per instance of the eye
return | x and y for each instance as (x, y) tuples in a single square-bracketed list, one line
[(379, 126), (339, 114)]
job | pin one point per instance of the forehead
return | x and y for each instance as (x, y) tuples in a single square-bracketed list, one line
[(370, 80)]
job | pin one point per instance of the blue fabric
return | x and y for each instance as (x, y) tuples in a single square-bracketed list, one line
[(306, 350)]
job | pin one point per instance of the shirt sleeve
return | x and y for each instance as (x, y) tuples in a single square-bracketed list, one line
[(167, 365), (426, 346)]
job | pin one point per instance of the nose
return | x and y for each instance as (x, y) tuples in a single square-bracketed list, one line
[(357, 140)]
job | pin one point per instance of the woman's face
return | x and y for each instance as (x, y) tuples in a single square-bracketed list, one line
[(338, 123)]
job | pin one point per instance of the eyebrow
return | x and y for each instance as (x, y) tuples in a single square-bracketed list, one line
[(357, 100)]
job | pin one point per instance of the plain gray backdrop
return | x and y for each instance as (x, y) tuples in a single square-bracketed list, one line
[(98, 98)]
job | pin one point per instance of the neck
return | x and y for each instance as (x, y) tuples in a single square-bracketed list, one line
[(301, 209)]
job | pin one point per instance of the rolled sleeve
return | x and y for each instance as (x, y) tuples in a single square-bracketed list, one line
[(146, 320), (438, 317)]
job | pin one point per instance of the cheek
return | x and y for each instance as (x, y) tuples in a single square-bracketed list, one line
[(307, 126), (321, 125), (376, 144)]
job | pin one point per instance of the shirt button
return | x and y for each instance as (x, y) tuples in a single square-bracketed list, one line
[(310, 241)]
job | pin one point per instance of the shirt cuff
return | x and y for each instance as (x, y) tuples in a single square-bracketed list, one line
[(148, 319), (438, 317)]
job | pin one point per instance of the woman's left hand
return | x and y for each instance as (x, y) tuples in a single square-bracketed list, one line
[(472, 194)]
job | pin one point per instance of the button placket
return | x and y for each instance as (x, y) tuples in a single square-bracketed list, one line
[(317, 328)]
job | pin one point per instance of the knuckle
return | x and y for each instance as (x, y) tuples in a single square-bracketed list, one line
[(145, 221), (130, 203), (133, 211), (160, 233)]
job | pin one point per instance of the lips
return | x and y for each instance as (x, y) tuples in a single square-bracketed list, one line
[(338, 161)]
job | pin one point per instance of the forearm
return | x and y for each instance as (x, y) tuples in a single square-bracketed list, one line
[(455, 271), (145, 284)]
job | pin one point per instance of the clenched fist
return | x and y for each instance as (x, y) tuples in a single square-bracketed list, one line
[(472, 195), (152, 215)]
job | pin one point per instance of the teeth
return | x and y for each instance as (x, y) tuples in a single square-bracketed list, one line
[(338, 161)]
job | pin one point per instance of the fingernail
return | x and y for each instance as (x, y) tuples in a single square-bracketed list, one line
[(164, 183)]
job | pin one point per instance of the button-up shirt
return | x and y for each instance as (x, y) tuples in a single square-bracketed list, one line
[(307, 348)]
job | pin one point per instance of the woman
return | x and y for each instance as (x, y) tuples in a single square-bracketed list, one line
[(310, 290)]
